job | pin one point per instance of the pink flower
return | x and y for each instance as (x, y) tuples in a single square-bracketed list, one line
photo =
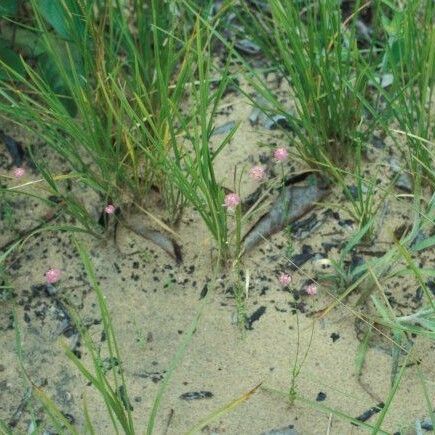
[(232, 200), (53, 275), (110, 209), (285, 279), (257, 173), (280, 154), (19, 172), (311, 289)]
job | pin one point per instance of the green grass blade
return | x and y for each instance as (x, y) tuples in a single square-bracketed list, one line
[(222, 411)]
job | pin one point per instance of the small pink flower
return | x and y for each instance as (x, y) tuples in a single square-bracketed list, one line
[(311, 289), (232, 200), (110, 209), (285, 279), (53, 275), (280, 154), (257, 173), (19, 172)]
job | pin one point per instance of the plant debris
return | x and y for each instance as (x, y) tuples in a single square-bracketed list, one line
[(254, 317), (369, 413), (292, 203), (196, 395)]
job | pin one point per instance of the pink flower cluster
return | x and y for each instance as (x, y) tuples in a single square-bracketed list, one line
[(19, 172), (285, 279), (257, 173), (110, 209), (280, 154), (311, 289), (53, 275), (232, 200)]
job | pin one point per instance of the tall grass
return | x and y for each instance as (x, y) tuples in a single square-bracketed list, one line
[(191, 164), (336, 80), (80, 116), (319, 58), (117, 112), (410, 58)]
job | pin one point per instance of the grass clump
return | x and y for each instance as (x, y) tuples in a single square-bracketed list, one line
[(319, 58), (409, 58), (108, 95)]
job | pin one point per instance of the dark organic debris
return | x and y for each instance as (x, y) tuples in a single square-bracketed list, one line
[(418, 295), (196, 395), (154, 376), (292, 203), (377, 254), (14, 148), (270, 122), (262, 114), (288, 430), (254, 317), (275, 121), (426, 424), (369, 413), (69, 417), (231, 87), (300, 306), (135, 223), (321, 396), (300, 259), (251, 199), (109, 363), (356, 262), (303, 227), (345, 222), (402, 230), (204, 292), (335, 337), (327, 246)]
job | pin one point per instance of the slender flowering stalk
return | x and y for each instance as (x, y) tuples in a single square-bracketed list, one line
[(53, 275), (281, 155), (257, 173), (285, 279), (231, 202)]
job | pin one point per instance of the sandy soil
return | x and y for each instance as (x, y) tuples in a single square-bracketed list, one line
[(153, 302)]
